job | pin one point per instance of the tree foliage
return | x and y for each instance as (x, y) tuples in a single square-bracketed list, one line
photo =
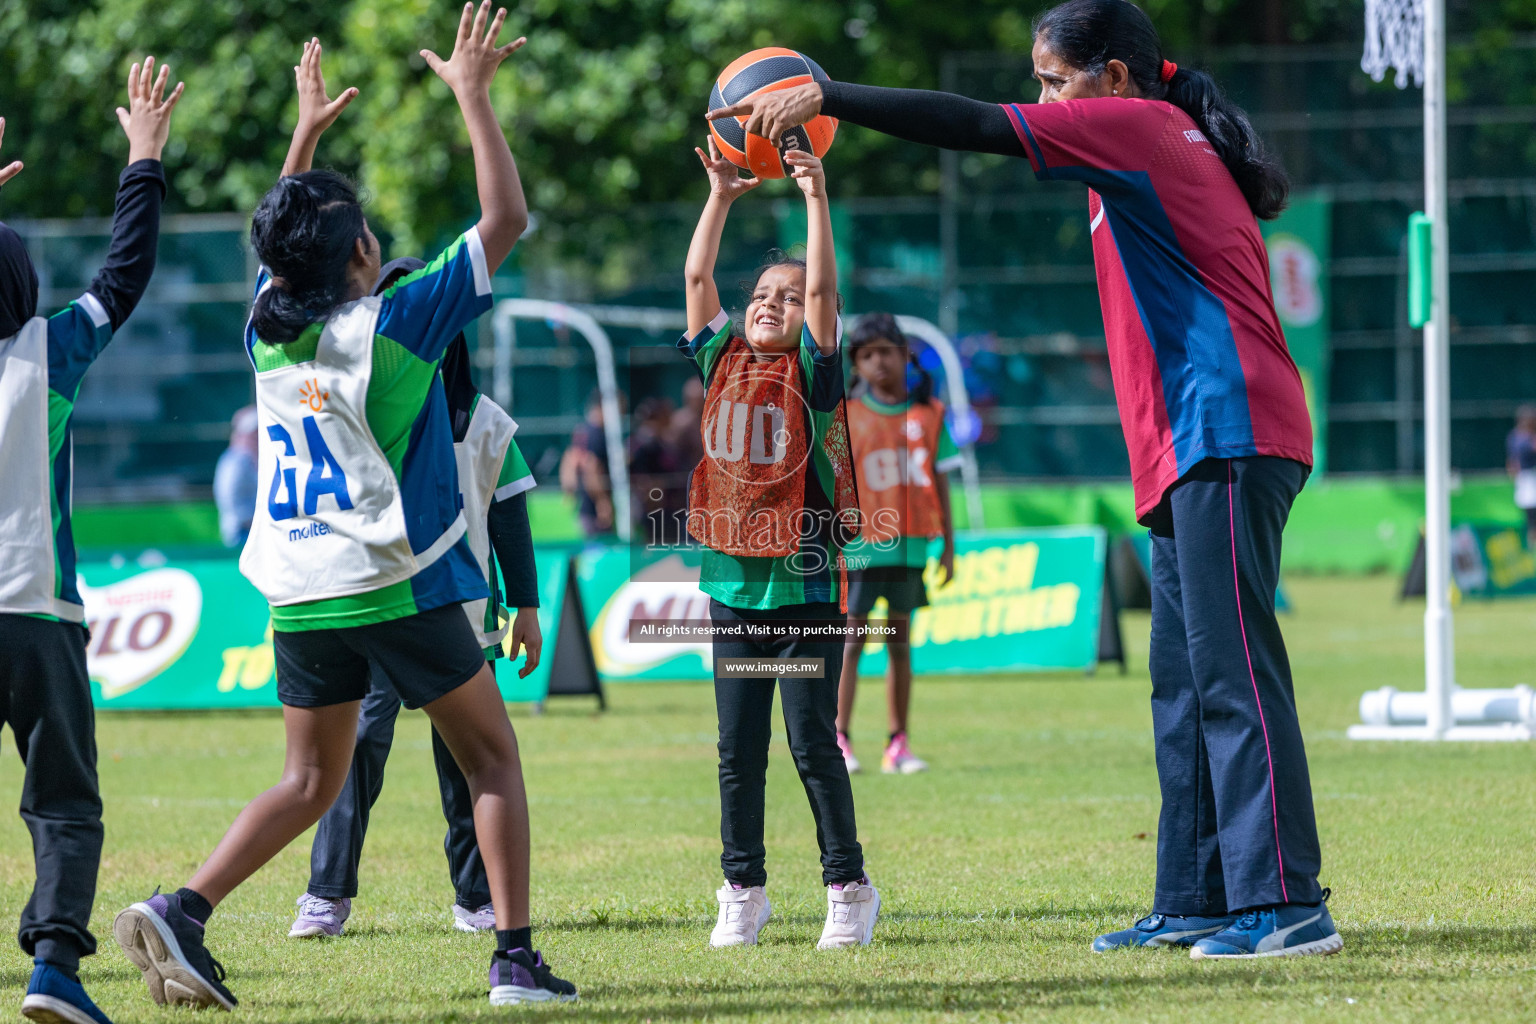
[(602, 107)]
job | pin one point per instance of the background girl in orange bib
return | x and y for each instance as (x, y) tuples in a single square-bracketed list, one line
[(902, 451)]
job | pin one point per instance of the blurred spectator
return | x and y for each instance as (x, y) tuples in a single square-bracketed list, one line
[(584, 471), (687, 427), (657, 478), (234, 480), (1520, 451)]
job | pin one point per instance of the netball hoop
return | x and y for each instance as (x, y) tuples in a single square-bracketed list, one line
[(1409, 36)]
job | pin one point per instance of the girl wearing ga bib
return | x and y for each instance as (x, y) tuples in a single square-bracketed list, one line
[(771, 502), (494, 479), (359, 542), (902, 450)]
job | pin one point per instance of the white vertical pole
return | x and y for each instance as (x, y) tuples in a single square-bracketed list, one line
[(1439, 654)]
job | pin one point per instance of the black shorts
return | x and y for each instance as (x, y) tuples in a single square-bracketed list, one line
[(422, 656), (901, 586), (1530, 519)]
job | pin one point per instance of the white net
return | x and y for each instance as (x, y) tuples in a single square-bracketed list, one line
[(1394, 38)]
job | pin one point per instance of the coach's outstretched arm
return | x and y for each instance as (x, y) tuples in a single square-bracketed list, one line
[(468, 72), (931, 118), (725, 187)]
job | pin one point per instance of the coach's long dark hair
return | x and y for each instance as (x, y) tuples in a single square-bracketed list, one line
[(1088, 34), (873, 327), (303, 231)]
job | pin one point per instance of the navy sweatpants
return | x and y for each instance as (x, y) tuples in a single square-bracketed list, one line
[(338, 844), (1237, 828)]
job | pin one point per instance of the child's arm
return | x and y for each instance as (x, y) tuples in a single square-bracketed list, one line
[(317, 111), (820, 256), (725, 187), (79, 332), (468, 72), (947, 525), (11, 169), (512, 538), (136, 222)]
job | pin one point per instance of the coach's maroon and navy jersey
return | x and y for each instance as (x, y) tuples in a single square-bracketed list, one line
[(1200, 365)]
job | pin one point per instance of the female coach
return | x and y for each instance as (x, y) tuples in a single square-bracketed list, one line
[(1217, 427)]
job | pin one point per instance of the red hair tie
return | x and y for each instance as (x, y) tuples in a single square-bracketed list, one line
[(1169, 67)]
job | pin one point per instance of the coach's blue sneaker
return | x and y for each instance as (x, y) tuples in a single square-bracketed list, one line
[(1162, 930), (53, 997), (167, 947), (1289, 929)]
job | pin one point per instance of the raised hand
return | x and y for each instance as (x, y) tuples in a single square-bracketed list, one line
[(724, 179), (808, 173), (770, 114), (317, 111), (11, 169), (147, 119), (475, 57)]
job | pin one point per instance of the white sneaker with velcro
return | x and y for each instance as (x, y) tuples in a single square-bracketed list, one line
[(851, 914), (742, 913)]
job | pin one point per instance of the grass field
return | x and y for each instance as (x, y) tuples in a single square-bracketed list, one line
[(1034, 831)]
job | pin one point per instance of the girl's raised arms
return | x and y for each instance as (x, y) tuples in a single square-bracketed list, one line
[(468, 72), (820, 254), (11, 169), (147, 118), (725, 187), (317, 111)]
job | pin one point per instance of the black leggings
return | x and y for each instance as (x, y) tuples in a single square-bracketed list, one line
[(45, 698), (745, 708)]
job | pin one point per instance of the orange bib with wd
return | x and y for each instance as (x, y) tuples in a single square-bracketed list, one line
[(895, 455), (747, 495)]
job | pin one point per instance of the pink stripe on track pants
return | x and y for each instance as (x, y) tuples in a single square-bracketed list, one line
[(1237, 828)]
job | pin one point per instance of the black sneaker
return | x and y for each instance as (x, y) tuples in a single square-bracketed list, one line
[(167, 947), (522, 976)]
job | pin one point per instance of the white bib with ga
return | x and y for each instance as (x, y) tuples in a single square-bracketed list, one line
[(28, 562), (329, 518), (479, 457)]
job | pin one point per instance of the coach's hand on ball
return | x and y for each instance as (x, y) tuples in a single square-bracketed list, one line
[(771, 114)]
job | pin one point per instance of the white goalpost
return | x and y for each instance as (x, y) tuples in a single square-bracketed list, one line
[(1409, 36)]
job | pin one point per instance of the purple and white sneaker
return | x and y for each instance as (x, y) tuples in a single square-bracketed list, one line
[(167, 947), (522, 976), (320, 917), (481, 919)]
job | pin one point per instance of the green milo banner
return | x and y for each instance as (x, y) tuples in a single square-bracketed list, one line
[(194, 634), (1491, 560), (1299, 243), (1021, 600)]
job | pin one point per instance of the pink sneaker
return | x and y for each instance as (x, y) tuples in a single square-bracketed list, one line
[(846, 746), (898, 758)]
